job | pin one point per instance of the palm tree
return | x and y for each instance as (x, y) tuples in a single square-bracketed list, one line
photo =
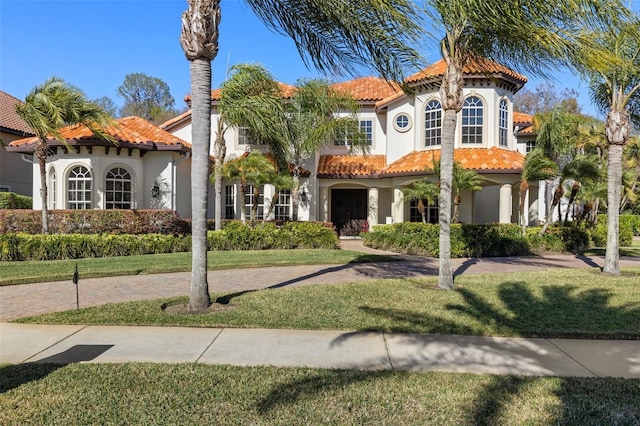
[(463, 180), (309, 123), (280, 181), (421, 191), (333, 36), (254, 169), (50, 107), (616, 92), (502, 31), (580, 169), (537, 166), (251, 99)]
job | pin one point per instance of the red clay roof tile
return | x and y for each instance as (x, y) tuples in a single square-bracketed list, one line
[(477, 66), (128, 131), (335, 166), (368, 88), (479, 159), (9, 119)]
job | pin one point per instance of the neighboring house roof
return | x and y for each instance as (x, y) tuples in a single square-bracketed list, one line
[(128, 132), (287, 92), (10, 122), (350, 166), (182, 118), (494, 160)]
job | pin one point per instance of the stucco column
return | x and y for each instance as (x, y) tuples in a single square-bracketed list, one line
[(372, 215), (505, 203), (397, 209), (324, 204)]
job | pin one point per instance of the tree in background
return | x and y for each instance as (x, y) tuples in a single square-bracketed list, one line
[(146, 97), (46, 110), (107, 104), (544, 98), (421, 191), (463, 180)]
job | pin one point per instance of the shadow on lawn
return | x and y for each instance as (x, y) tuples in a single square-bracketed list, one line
[(559, 311), (15, 375)]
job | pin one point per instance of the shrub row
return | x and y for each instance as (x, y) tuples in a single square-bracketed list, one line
[(10, 200), (235, 236), (93, 222), (629, 223), (489, 240)]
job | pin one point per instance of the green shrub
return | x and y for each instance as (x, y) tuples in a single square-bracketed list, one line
[(10, 200), (94, 222), (626, 230)]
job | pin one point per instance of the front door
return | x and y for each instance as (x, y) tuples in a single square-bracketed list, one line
[(349, 210)]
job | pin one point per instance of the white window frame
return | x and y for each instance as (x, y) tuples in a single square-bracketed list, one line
[(125, 189), (503, 123), (433, 123), (82, 199), (472, 121)]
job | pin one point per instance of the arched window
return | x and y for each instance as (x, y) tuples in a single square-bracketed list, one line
[(504, 123), (117, 189), (433, 123), (52, 188), (79, 188), (472, 120)]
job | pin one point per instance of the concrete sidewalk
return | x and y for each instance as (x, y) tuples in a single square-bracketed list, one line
[(22, 343)]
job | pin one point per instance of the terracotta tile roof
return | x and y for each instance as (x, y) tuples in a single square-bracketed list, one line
[(478, 159), (9, 119), (182, 117), (524, 122), (368, 88), (130, 132), (477, 66), (287, 92), (336, 166)]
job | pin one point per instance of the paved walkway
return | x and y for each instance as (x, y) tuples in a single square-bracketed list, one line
[(329, 349)]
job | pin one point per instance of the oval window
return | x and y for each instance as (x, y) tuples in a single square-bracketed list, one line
[(402, 122)]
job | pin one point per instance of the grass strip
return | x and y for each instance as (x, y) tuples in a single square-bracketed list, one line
[(170, 394), (569, 303), (59, 270)]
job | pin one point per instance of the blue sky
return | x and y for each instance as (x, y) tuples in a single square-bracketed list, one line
[(94, 44)]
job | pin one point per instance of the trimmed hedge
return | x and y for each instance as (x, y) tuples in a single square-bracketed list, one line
[(10, 200), (629, 223), (235, 236), (491, 240), (93, 222)]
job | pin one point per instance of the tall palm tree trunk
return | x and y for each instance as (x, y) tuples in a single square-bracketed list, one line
[(41, 155), (200, 70), (295, 194), (524, 189), (445, 275)]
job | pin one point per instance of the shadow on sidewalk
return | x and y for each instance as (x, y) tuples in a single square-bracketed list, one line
[(15, 375)]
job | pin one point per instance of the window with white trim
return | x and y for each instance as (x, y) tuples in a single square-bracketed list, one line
[(529, 146), (431, 212), (366, 127), (243, 136), (79, 188), (433, 123), (503, 126), (52, 188), (472, 120), (283, 207), (230, 202), (118, 189), (248, 202)]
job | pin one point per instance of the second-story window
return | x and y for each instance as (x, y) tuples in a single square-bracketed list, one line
[(433, 123), (366, 127), (472, 120), (504, 123)]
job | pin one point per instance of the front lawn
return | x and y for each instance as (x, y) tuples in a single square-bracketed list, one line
[(573, 303), (188, 394)]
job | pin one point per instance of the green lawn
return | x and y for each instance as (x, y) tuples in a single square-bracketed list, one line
[(575, 303), (187, 394), (58, 270), (633, 250)]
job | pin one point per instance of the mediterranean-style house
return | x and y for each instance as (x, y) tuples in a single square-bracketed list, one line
[(15, 169), (149, 167)]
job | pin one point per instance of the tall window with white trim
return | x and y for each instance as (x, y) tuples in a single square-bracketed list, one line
[(79, 188), (433, 123), (52, 188), (472, 120), (230, 202), (503, 127), (117, 189), (249, 200), (283, 207)]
